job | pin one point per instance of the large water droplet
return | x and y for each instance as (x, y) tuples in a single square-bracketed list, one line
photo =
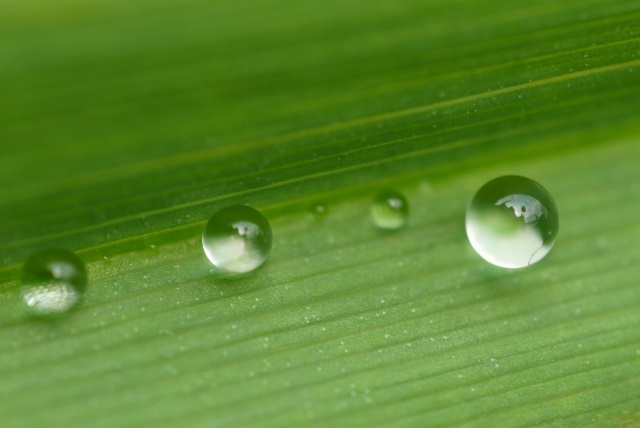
[(237, 239), (512, 222), (53, 281), (389, 210)]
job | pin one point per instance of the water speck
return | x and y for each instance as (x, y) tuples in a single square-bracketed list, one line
[(390, 210), (237, 239), (512, 222), (53, 281), (318, 211)]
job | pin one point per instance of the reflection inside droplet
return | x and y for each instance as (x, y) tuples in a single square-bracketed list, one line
[(53, 281), (50, 298)]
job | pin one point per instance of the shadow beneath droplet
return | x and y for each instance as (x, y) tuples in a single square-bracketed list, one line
[(499, 281)]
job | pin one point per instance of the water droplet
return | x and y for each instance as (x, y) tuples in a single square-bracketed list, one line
[(53, 281), (318, 211), (512, 222), (390, 210), (237, 239)]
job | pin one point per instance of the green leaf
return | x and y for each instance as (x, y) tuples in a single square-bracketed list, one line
[(125, 125)]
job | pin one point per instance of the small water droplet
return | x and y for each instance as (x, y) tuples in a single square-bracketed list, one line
[(390, 210), (512, 222), (237, 239), (318, 211), (53, 281)]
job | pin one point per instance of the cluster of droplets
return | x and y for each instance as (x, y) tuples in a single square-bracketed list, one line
[(511, 222)]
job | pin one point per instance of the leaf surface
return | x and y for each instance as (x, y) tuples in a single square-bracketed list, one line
[(125, 125)]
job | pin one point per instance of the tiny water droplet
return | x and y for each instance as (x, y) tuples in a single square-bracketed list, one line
[(390, 210), (53, 281), (512, 222), (318, 211), (237, 239)]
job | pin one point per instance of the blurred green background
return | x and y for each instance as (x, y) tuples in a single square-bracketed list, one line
[(125, 124)]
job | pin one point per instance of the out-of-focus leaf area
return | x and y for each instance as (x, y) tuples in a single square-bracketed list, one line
[(124, 125)]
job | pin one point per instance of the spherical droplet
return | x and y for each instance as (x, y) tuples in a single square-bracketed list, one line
[(512, 222), (390, 210), (53, 281), (237, 239)]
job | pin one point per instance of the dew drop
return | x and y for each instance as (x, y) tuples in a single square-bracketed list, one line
[(237, 239), (53, 281), (390, 210), (318, 211), (512, 222)]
